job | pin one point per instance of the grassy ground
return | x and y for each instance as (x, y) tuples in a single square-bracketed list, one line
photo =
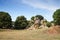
[(27, 35)]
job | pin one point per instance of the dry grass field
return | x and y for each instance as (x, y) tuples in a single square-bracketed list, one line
[(27, 35)]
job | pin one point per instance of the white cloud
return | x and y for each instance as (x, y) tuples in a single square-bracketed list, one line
[(44, 4)]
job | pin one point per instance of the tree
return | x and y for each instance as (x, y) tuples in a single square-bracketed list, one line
[(5, 20), (56, 17), (21, 22), (32, 18), (40, 17), (48, 24)]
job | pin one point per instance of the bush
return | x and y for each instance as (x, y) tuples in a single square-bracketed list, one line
[(48, 24), (21, 22), (56, 17), (5, 20)]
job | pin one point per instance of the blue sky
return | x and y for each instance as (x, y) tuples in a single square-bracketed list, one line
[(30, 8)]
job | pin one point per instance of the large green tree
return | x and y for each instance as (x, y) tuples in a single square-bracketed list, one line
[(21, 22), (40, 17), (5, 20), (56, 17)]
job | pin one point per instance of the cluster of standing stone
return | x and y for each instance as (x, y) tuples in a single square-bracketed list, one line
[(38, 24)]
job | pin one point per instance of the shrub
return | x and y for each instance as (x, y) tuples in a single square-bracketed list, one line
[(21, 22), (5, 20)]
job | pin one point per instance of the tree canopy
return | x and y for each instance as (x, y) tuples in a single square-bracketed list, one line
[(56, 17), (5, 20), (21, 22), (32, 18), (40, 17)]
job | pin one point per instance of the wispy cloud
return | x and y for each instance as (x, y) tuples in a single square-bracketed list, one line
[(43, 4)]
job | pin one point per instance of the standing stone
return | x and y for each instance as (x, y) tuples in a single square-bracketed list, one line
[(43, 24), (36, 22)]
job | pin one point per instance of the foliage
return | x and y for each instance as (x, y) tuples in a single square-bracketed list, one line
[(13, 24), (52, 21), (21, 22), (40, 17), (56, 17), (29, 24), (32, 18), (5, 20), (48, 24)]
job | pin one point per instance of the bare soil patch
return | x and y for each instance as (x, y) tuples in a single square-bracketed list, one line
[(54, 30)]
